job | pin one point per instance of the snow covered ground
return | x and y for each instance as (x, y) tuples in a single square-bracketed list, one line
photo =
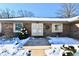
[(62, 40), (12, 50), (13, 47), (58, 42), (56, 50), (15, 41)]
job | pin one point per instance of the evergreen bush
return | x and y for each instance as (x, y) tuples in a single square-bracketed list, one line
[(23, 34)]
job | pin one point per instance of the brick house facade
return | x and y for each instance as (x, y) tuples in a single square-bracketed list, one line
[(42, 26)]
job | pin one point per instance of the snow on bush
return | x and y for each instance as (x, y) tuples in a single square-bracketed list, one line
[(63, 50)]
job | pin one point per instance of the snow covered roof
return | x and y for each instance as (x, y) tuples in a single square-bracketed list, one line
[(42, 19)]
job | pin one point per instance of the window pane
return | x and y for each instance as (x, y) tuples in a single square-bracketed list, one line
[(56, 27), (18, 26)]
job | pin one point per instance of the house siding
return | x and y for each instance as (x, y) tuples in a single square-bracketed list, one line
[(66, 30), (47, 28), (7, 28), (65, 33), (69, 29), (74, 30)]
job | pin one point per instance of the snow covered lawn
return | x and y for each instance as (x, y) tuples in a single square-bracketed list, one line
[(12, 50), (56, 50), (13, 47), (15, 41), (62, 40)]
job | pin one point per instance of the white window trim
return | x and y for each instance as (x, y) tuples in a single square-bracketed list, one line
[(53, 27), (14, 27), (0, 27)]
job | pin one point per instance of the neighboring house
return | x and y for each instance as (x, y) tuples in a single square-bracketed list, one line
[(41, 26)]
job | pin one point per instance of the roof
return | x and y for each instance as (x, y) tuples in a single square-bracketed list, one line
[(42, 19)]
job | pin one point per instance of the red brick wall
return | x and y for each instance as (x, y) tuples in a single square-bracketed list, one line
[(66, 30), (47, 28), (74, 32), (7, 28)]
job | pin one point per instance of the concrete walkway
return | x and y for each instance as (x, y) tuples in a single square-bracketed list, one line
[(37, 50), (37, 42)]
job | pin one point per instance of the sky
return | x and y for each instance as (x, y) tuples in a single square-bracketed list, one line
[(39, 9)]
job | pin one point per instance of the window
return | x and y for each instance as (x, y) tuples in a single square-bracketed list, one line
[(17, 27), (0, 27), (57, 27)]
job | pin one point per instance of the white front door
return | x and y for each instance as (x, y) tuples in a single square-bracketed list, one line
[(37, 29)]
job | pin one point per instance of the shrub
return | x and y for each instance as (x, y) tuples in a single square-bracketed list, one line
[(23, 34), (71, 50), (68, 54)]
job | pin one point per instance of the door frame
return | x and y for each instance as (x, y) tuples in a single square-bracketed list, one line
[(37, 24)]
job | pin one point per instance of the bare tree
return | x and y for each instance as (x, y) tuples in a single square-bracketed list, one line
[(13, 14), (20, 13), (25, 13), (3, 14), (7, 13), (30, 14), (68, 10), (0, 13)]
